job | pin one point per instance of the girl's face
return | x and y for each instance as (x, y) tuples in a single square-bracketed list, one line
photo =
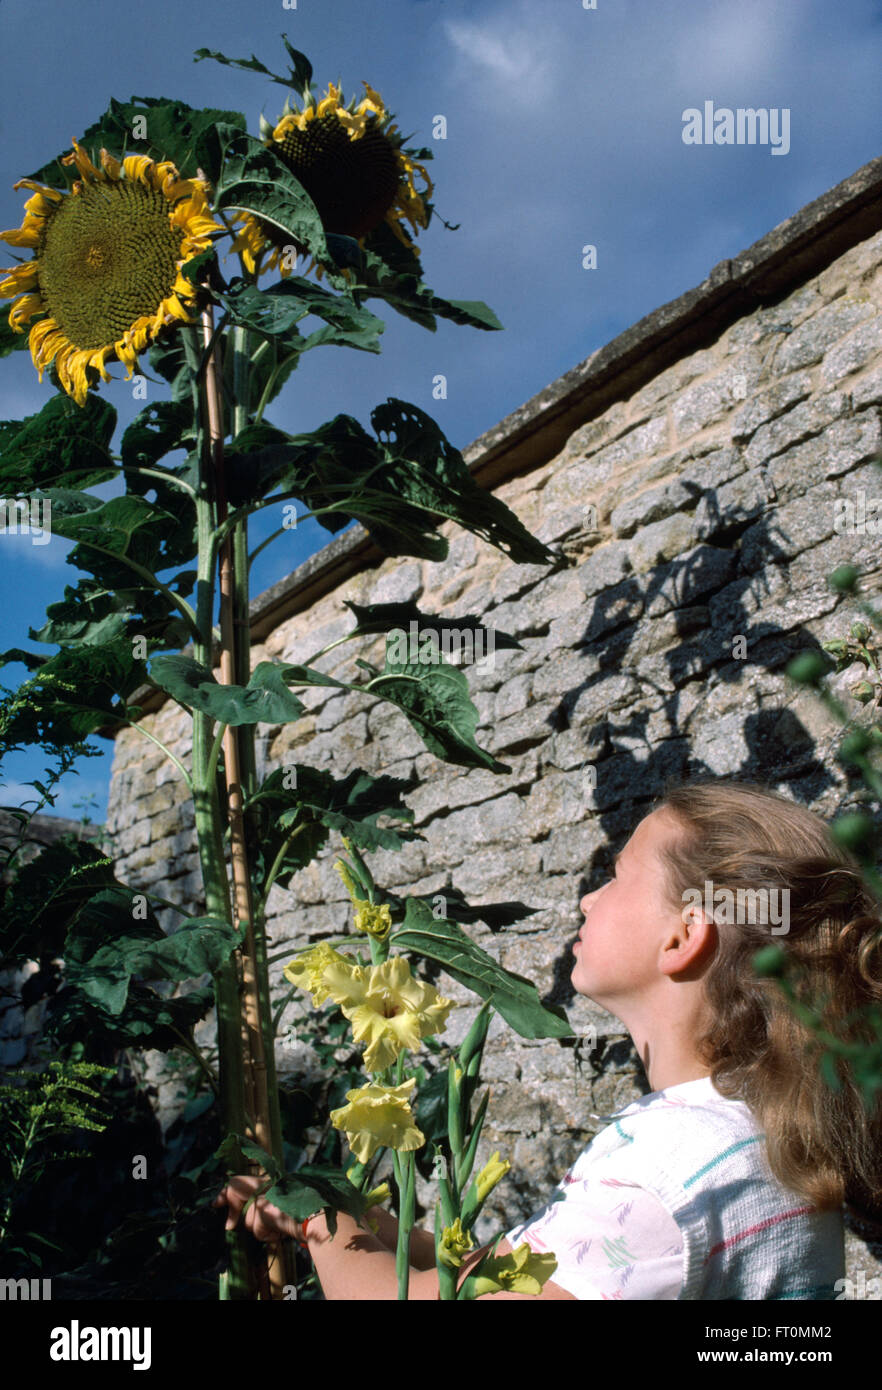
[(629, 924)]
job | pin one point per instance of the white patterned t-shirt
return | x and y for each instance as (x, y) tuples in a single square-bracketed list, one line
[(676, 1200), (611, 1238)]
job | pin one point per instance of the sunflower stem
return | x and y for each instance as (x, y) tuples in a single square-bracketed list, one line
[(257, 1056)]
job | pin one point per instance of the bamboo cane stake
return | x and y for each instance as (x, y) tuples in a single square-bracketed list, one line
[(254, 1054)]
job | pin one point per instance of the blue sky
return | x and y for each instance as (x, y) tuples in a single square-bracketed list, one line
[(564, 128)]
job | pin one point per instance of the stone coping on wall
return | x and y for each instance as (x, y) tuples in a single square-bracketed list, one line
[(786, 256)]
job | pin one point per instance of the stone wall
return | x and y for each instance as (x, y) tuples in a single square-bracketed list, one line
[(694, 518)]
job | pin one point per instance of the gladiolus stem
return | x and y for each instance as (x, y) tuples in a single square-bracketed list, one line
[(405, 1177)]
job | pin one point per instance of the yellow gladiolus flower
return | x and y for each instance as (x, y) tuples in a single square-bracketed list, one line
[(378, 1195), (108, 263), (389, 1010), (308, 970), (523, 1271), (378, 1116), (455, 1244), (373, 918), (494, 1171)]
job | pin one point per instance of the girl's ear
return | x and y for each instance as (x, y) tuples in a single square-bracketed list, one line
[(689, 941)]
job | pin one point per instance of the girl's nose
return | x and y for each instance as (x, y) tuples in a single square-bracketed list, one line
[(589, 897)]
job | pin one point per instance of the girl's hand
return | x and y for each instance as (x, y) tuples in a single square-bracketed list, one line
[(264, 1220)]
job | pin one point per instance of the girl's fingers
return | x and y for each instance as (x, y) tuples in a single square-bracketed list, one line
[(264, 1220)]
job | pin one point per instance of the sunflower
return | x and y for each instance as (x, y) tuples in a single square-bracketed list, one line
[(107, 266), (351, 161)]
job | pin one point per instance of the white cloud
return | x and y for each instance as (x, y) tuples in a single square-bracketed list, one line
[(510, 49)]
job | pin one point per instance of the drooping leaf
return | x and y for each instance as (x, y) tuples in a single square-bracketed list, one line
[(147, 1021), (107, 947), (156, 431), (392, 271), (167, 356), (435, 698), (314, 1185), (308, 675), (311, 802), (94, 614), (425, 470), (515, 998), (63, 443), (456, 909), (399, 487), (282, 306), (388, 617), (266, 698), (274, 313)]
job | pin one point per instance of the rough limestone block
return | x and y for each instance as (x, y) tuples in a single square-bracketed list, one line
[(760, 409), (653, 504), (800, 423), (808, 343)]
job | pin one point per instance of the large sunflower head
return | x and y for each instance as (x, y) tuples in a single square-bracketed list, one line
[(352, 162), (106, 274)]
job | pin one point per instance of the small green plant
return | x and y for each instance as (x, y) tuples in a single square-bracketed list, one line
[(37, 1110)]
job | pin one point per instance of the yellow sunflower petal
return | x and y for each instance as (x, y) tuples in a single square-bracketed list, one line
[(41, 191), (23, 277), (136, 166), (28, 234), (111, 165), (83, 163), (24, 309)]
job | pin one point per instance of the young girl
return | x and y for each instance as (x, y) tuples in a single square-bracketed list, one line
[(728, 1180)]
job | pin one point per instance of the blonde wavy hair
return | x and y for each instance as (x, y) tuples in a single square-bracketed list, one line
[(823, 1144)]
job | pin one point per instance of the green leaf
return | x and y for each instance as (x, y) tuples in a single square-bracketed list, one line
[(63, 442), (130, 526), (138, 949), (430, 1109), (299, 77), (147, 1020), (456, 909), (512, 996), (253, 179), (392, 272), (159, 428), (425, 471), (266, 698), (386, 617), (314, 803), (274, 313), (280, 307), (399, 487), (307, 675), (174, 131), (316, 1185), (435, 698), (94, 614), (10, 341), (169, 359)]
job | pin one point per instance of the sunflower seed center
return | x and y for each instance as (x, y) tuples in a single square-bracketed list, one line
[(108, 257)]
